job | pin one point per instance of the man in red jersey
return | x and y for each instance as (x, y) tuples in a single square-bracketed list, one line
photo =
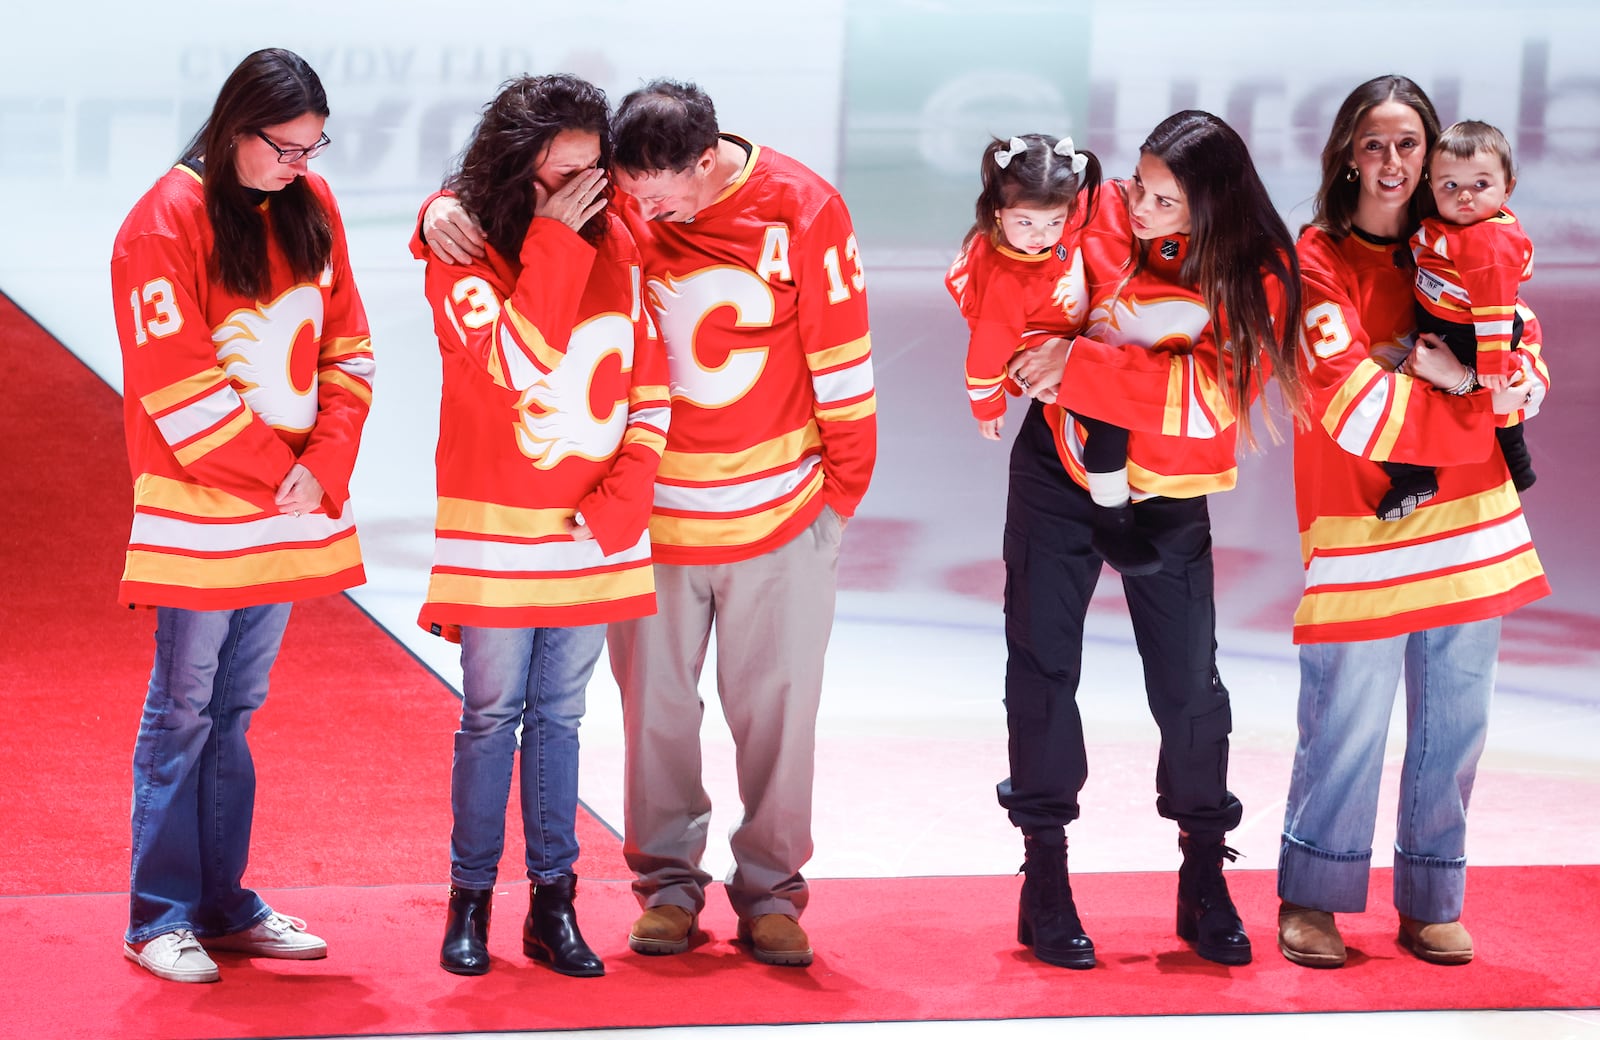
[(755, 281)]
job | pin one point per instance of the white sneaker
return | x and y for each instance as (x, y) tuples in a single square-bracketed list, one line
[(175, 956), (279, 935)]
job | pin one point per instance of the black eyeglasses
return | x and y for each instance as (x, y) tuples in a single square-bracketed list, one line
[(294, 155)]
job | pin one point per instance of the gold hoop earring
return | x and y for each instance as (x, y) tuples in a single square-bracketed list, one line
[(1351, 175)]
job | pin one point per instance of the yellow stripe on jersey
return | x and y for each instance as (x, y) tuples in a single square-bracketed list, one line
[(334, 376), (640, 393), (1332, 607), (1181, 485), (705, 532), (1172, 418), (849, 412), (151, 491), (482, 591), (1351, 391), (710, 467), (237, 572), (1395, 422), (645, 436), (346, 346), (187, 389), (488, 518), (543, 354), (198, 449), (1440, 519), (845, 353)]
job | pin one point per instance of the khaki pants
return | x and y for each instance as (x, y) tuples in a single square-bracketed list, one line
[(773, 615)]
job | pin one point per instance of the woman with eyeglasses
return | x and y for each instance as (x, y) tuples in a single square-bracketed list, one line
[(248, 375)]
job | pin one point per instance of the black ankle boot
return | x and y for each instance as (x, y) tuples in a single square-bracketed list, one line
[(1206, 915), (1047, 920), (551, 931), (466, 932), (1119, 543)]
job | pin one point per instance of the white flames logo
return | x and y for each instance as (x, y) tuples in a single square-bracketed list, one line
[(256, 348), (556, 414)]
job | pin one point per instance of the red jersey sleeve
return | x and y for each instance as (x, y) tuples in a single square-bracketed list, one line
[(1494, 259), (618, 509), (170, 369), (345, 369), (838, 349)]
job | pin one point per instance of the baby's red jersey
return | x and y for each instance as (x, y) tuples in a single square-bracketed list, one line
[(1467, 555), (223, 394), (554, 406), (1471, 275), (1147, 360), (761, 303), (1005, 295)]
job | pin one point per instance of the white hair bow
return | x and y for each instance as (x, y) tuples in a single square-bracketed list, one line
[(1064, 149), (1003, 159)]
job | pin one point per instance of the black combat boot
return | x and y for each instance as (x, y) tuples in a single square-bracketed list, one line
[(1047, 920), (1120, 543), (466, 932), (551, 931), (1206, 915)]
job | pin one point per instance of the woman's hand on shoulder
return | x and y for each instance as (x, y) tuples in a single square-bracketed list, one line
[(451, 232)]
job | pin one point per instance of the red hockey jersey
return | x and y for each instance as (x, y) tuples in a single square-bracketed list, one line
[(1471, 275), (222, 396), (761, 304), (1147, 360), (554, 404), (1005, 295), (1465, 556)]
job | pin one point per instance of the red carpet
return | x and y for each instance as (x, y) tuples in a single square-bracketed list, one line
[(882, 955), (352, 747), (353, 750)]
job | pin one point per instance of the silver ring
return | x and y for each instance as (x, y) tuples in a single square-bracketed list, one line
[(297, 512), (1022, 381)]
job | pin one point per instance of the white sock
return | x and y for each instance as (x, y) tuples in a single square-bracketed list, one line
[(1109, 489)]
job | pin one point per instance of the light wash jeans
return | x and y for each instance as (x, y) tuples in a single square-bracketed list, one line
[(535, 677), (1347, 692), (194, 785)]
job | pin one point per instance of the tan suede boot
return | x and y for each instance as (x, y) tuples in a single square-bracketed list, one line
[(776, 939), (1444, 942), (662, 929), (1309, 937)]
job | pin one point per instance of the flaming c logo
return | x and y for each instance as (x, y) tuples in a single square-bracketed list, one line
[(270, 354)]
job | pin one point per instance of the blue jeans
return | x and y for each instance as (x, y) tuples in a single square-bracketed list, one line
[(1346, 695), (194, 785), (536, 677)]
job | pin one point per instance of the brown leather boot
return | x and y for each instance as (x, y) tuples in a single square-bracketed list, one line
[(776, 939), (1309, 937), (1444, 942), (662, 929)]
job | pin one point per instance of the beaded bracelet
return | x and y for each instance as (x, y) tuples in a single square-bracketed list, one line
[(1469, 383)]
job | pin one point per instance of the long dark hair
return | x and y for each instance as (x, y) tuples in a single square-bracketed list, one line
[(267, 88), (1035, 176), (1236, 242), (1337, 197), (494, 180)]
